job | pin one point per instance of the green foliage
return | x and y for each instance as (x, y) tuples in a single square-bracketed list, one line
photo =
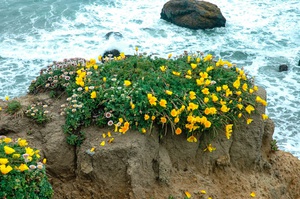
[(13, 107), (37, 113), (274, 146), (191, 94), (22, 174)]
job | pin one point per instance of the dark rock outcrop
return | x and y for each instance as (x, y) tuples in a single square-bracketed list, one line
[(116, 35), (283, 67), (193, 14)]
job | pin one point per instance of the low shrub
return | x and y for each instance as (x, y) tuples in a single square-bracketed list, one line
[(22, 174), (192, 94)]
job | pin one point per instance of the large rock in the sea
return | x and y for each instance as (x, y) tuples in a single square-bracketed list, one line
[(139, 165), (193, 14)]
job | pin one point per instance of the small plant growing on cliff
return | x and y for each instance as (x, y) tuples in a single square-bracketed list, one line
[(13, 107), (192, 94), (38, 113), (274, 146), (22, 174)]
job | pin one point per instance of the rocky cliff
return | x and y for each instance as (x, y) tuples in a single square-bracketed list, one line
[(136, 165)]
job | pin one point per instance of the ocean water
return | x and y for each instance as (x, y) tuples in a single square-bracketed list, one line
[(259, 36)]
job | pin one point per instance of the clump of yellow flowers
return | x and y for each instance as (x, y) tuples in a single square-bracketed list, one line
[(191, 94), (22, 172)]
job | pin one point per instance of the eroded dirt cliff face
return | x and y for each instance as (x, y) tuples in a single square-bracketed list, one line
[(140, 166)]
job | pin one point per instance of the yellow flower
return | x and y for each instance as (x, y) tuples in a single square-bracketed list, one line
[(29, 151), (146, 117), (206, 99), (198, 60), (153, 117), (163, 103), (245, 87), (225, 87), (3, 161), (192, 139), (188, 59), (132, 105), (219, 88), (92, 149), (127, 83), (249, 121), (188, 195), (152, 99), (193, 66), (252, 194), (209, 68), (249, 109), (163, 68), (22, 143), (264, 116), (240, 115), (136, 48), (168, 92), (170, 55), (189, 72), (0, 108), (220, 63), (102, 143), (7, 140), (192, 106), (176, 120), (237, 83), (224, 108), (188, 77), (86, 88), (5, 169), (8, 150), (176, 73), (23, 167), (261, 101), (124, 128), (203, 75), (163, 120), (200, 81), (192, 95), (203, 191), (251, 90), (178, 131), (44, 161), (209, 148), (240, 106), (93, 95), (228, 131), (214, 98), (207, 111), (207, 124), (6, 98), (238, 93), (104, 79), (100, 58), (205, 91), (103, 135), (208, 57), (174, 113), (255, 88)]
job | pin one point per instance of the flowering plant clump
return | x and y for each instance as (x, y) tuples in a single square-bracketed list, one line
[(191, 94), (38, 113), (22, 174)]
